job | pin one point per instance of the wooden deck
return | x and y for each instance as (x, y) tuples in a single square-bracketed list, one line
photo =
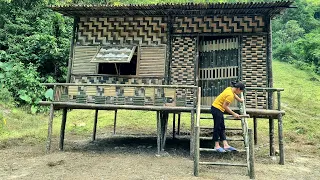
[(162, 120)]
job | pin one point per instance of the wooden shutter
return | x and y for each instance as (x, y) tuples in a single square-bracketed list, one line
[(82, 57), (152, 61)]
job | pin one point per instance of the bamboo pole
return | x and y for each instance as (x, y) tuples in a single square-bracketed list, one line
[(50, 128), (158, 132), (63, 127), (255, 130), (115, 122), (174, 126), (164, 129), (251, 155), (281, 148), (71, 55), (271, 136), (179, 120), (95, 125), (197, 134)]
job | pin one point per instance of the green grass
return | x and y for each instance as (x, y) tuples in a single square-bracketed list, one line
[(300, 100)]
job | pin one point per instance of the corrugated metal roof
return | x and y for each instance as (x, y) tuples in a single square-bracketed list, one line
[(271, 8)]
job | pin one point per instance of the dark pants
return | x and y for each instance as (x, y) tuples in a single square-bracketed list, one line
[(219, 127)]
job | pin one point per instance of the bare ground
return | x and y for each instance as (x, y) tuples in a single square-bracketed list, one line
[(119, 157)]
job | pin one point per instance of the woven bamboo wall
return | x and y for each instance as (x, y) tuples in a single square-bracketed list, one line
[(182, 64), (254, 65), (122, 30), (219, 24)]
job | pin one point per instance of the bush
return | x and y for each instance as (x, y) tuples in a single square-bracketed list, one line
[(6, 96), (22, 82)]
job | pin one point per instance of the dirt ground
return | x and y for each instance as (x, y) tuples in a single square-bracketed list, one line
[(123, 157)]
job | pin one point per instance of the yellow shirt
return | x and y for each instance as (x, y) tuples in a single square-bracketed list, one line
[(226, 95)]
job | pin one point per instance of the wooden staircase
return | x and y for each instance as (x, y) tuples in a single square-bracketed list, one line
[(247, 138)]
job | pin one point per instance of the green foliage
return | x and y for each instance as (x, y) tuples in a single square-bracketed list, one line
[(296, 36), (22, 81)]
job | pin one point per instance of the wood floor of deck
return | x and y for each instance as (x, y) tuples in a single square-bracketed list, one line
[(253, 112)]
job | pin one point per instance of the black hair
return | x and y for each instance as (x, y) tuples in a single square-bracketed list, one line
[(239, 85)]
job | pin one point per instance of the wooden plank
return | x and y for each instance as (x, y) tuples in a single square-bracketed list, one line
[(222, 164)]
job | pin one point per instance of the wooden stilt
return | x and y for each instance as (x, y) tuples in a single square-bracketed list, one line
[(63, 127), (174, 126), (196, 153), (281, 148), (165, 118), (50, 128), (95, 125), (192, 133), (158, 132), (255, 130), (179, 117), (251, 155), (115, 121), (271, 136)]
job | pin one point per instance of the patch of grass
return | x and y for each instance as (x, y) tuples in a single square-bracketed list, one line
[(300, 100)]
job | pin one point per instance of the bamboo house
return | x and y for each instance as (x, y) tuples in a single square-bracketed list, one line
[(154, 57)]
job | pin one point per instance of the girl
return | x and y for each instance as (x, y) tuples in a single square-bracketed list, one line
[(219, 106)]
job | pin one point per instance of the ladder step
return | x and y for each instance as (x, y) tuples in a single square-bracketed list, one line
[(210, 138), (222, 164), (228, 117), (231, 129), (214, 150)]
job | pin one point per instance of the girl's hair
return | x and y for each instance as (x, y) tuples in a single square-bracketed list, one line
[(239, 85)]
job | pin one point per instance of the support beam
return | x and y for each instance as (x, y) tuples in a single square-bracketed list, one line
[(115, 122), (251, 155), (48, 147), (271, 136), (192, 133), (255, 130), (164, 119), (63, 127), (281, 148), (179, 118), (95, 125), (174, 126), (158, 133)]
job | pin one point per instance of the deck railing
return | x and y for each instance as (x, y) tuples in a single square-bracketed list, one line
[(124, 94), (263, 97)]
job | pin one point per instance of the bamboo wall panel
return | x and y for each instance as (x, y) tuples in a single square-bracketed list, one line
[(82, 57), (152, 61), (254, 63), (219, 24), (122, 30), (182, 67)]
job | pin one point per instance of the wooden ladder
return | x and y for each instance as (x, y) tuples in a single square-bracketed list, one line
[(246, 134)]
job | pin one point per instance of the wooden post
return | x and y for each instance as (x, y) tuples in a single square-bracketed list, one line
[(251, 155), (196, 153), (164, 120), (158, 132), (179, 118), (255, 130), (95, 125), (281, 149), (63, 127), (271, 136), (174, 126), (75, 22), (115, 122), (197, 134), (192, 134), (50, 129)]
